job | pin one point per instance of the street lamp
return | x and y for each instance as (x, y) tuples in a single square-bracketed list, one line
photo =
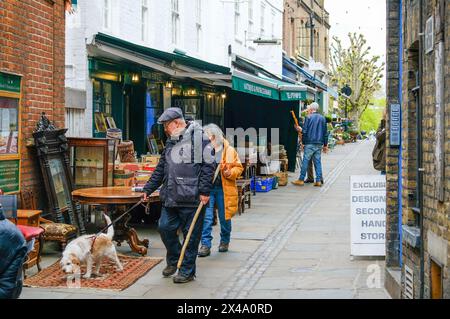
[(346, 92)]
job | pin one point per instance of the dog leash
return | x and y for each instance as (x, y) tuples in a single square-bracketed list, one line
[(114, 221), (119, 218)]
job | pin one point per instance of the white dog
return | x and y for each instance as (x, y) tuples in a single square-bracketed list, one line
[(88, 249)]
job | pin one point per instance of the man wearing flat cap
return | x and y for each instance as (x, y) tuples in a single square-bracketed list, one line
[(185, 171)]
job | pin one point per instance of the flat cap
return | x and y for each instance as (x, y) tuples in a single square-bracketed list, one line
[(172, 113)]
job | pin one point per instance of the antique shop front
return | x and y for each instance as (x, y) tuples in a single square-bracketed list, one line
[(132, 85), (268, 104)]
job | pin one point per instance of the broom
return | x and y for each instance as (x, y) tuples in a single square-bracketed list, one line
[(194, 221)]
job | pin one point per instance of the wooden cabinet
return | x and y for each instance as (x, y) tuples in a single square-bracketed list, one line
[(92, 161)]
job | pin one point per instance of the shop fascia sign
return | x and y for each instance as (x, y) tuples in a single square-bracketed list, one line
[(296, 96), (154, 76), (255, 89), (9, 82)]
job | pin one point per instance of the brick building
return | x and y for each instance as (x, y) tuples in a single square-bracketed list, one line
[(306, 45), (32, 42), (297, 31), (418, 170)]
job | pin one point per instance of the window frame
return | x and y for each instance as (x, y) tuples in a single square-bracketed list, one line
[(107, 14), (17, 156), (175, 21), (237, 18), (198, 24), (144, 20), (262, 30), (273, 23)]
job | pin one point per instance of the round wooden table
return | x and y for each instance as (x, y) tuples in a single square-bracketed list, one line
[(119, 197)]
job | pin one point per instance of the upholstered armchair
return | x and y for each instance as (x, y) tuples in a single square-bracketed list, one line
[(61, 233)]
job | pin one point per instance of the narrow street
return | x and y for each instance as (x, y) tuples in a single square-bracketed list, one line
[(293, 243)]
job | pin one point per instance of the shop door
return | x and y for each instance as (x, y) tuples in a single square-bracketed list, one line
[(137, 119)]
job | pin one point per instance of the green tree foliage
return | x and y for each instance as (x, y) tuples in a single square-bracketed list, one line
[(354, 67), (370, 119)]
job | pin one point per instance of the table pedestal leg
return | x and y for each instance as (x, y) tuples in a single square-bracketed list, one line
[(122, 232)]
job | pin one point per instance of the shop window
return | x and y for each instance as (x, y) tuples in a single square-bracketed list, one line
[(102, 108), (10, 88), (153, 110), (9, 125), (214, 110), (436, 280)]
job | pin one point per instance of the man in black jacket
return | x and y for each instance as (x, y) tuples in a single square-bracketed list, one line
[(185, 171), (13, 251)]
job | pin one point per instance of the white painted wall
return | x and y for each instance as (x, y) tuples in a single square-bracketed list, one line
[(217, 20)]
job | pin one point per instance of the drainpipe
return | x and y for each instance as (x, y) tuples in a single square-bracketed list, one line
[(419, 150), (311, 23), (400, 151)]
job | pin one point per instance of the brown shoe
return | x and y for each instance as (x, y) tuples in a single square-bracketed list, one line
[(317, 184), (298, 183), (223, 248)]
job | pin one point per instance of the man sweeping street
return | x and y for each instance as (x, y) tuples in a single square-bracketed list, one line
[(185, 171)]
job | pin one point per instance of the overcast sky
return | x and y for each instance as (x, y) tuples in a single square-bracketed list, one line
[(362, 16)]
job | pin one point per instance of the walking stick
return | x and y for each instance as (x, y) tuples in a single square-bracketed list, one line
[(194, 221), (295, 118)]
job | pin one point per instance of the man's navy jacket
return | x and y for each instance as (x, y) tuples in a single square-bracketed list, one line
[(315, 130), (185, 169)]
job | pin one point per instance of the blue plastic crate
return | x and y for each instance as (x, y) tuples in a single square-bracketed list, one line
[(263, 185)]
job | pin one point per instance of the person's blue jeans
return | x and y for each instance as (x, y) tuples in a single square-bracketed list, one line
[(313, 151), (180, 217), (216, 196)]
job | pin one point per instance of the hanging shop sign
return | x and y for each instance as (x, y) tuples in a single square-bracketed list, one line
[(9, 176), (368, 215), (249, 87)]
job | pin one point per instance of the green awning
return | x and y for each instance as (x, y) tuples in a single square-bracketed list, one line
[(161, 55), (253, 85), (270, 88)]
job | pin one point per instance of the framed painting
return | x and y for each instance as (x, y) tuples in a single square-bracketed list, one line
[(111, 122), (100, 123)]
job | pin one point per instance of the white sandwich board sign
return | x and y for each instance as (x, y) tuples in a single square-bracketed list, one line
[(368, 215)]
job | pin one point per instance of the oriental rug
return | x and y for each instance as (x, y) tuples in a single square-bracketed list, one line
[(109, 279)]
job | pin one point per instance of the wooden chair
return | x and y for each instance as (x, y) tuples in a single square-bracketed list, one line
[(244, 194), (61, 233), (31, 232)]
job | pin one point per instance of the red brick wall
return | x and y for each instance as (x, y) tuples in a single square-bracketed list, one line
[(32, 39)]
